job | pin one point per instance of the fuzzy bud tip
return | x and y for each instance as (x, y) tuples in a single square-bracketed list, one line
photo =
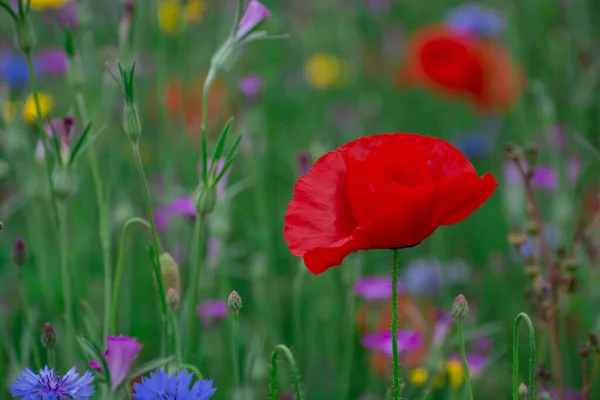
[(517, 237), (173, 299), (19, 252), (169, 271), (523, 392), (460, 307), (49, 336), (234, 301)]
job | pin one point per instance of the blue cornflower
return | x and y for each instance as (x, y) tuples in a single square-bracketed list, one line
[(14, 70), (174, 386), (474, 19), (50, 386)]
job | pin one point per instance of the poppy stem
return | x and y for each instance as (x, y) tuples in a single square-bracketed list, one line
[(461, 339), (395, 267), (531, 383), (280, 348)]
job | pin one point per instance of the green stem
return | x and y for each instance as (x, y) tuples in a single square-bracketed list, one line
[(203, 131), (236, 348), (41, 133), (51, 358), (293, 368), (395, 267), (594, 375), (29, 323), (119, 270), (194, 279), (193, 369), (157, 248), (66, 279), (531, 383), (176, 338), (463, 353), (104, 228)]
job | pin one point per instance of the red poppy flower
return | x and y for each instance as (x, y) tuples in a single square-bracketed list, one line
[(380, 192), (457, 65)]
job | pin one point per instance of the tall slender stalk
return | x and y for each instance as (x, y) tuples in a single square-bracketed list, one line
[(293, 368), (395, 267), (532, 353), (235, 347), (119, 269), (66, 278), (176, 337), (194, 279), (28, 322), (463, 353)]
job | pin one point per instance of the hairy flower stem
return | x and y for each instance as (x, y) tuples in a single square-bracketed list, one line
[(42, 135), (395, 267), (463, 353), (194, 279), (29, 322), (293, 367), (66, 279), (235, 347), (532, 356), (101, 203), (51, 358), (119, 269), (155, 242), (176, 338), (590, 385), (553, 279)]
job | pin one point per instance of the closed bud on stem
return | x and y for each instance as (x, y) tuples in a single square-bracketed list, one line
[(169, 272), (523, 392), (570, 264), (594, 342), (131, 123), (532, 151), (62, 181), (25, 39), (517, 237), (533, 271), (512, 152), (49, 337), (205, 199), (584, 349), (173, 299), (234, 301), (460, 307), (532, 228), (19, 252)]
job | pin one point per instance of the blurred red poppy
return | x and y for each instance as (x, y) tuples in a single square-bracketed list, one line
[(380, 192), (457, 65)]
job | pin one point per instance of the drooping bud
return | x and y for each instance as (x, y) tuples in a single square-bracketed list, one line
[(131, 123), (594, 342), (523, 392), (532, 228), (205, 199), (512, 152), (255, 13), (19, 252), (62, 181), (517, 237), (532, 151), (49, 337), (460, 307), (234, 302), (169, 271), (173, 299)]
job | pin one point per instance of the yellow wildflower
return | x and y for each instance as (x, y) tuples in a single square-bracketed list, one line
[(169, 16), (323, 70), (47, 4), (9, 111), (456, 373), (194, 10), (30, 110), (418, 376)]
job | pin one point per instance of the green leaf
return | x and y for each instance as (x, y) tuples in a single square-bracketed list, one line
[(95, 354), (150, 366), (220, 146), (117, 80), (204, 156), (9, 10), (80, 143), (69, 46), (230, 158)]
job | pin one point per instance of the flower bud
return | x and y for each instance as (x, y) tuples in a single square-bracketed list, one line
[(594, 341), (523, 392), (512, 152), (532, 228), (460, 307), (49, 336), (255, 13), (517, 237), (584, 349), (205, 199), (62, 180), (25, 39), (234, 302), (173, 299), (533, 271), (532, 151), (131, 123), (169, 271), (19, 252)]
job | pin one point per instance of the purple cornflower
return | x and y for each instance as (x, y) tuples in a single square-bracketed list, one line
[(183, 206), (545, 177), (173, 386), (52, 61), (382, 341), (303, 162), (66, 16), (119, 355), (475, 19), (251, 86), (49, 385), (375, 288), (212, 311), (255, 13), (482, 344)]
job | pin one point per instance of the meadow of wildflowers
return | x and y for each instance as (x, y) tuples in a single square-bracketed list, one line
[(318, 199)]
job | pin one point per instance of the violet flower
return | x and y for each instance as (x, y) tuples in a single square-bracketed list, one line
[(183, 206), (62, 128), (382, 341), (212, 311), (119, 355), (545, 178), (375, 288), (477, 362), (251, 86), (52, 61), (475, 19), (67, 16), (255, 13)]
